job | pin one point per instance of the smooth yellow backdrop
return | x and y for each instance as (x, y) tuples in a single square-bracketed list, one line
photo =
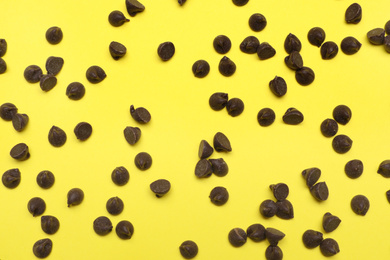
[(181, 118)]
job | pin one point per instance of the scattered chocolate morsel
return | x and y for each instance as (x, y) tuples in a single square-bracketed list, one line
[(57, 136), (54, 35), (133, 7), (219, 166), (330, 222), (20, 152), (102, 226), (278, 86), (45, 179), (83, 131), (235, 107), (240, 2), (354, 169), (294, 61), (353, 14), (218, 100), (268, 208), (350, 45), (226, 67), (117, 50), (219, 196), (320, 191), (293, 116), (304, 76), (36, 206), (266, 116), (19, 121), (95, 74), (316, 36), (329, 127), (360, 205), (312, 239), (203, 169), (205, 150), (329, 247), (50, 224), (54, 65), (256, 232), (3, 47), (132, 134), (387, 29), (114, 206), (166, 50), (342, 144), (120, 176), (376, 36), (388, 195), (7, 111), (280, 191), (33, 74), (124, 229), (237, 237), (181, 2), (3, 66), (75, 197), (273, 253), (221, 143), (249, 45), (285, 209), (48, 82), (222, 44), (257, 22), (42, 248), (265, 51), (160, 187), (292, 43), (200, 68), (386, 43), (188, 249), (143, 161), (329, 50), (140, 114), (11, 178), (75, 91), (342, 114), (117, 18), (274, 236), (311, 175), (384, 169)]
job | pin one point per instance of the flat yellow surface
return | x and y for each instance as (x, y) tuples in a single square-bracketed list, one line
[(181, 118)]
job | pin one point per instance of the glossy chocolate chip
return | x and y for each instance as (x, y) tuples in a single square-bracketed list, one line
[(256, 232), (117, 50), (74, 197), (219, 196), (311, 238), (54, 35), (266, 116), (117, 18), (226, 67), (221, 143), (311, 175), (292, 43), (237, 237), (201, 68), (218, 100), (320, 191), (353, 14), (235, 107), (219, 167), (285, 209), (222, 44), (268, 208), (11, 178), (166, 50), (75, 91), (265, 51), (95, 74)]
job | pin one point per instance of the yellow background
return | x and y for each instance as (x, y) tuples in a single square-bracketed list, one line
[(181, 118)]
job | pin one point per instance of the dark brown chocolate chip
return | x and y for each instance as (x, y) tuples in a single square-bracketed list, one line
[(388, 195), (360, 205), (3, 66), (257, 22), (200, 68), (218, 100), (222, 44), (117, 50), (205, 150), (266, 116), (329, 247), (376, 36), (140, 114), (114, 206), (304, 76), (3, 47), (20, 152), (95, 74), (188, 249), (83, 131), (329, 127), (311, 175), (292, 43), (54, 65), (50, 224), (384, 168), (75, 91), (320, 191), (249, 45), (226, 67), (342, 144), (293, 116), (294, 61), (219, 166), (265, 51), (274, 236), (316, 36), (350, 45), (240, 2), (160, 187), (280, 191), (54, 35), (278, 86), (330, 222), (353, 14), (33, 74), (285, 209), (203, 169), (36, 206), (19, 121), (329, 50), (342, 114), (74, 197), (11, 178), (7, 111), (47, 82), (235, 107), (312, 239), (42, 248), (221, 143), (57, 136), (102, 226), (273, 253), (219, 196), (120, 176), (237, 237), (45, 179), (256, 232), (166, 50), (143, 161), (134, 7), (354, 168), (268, 208), (124, 229), (132, 134), (117, 18)]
